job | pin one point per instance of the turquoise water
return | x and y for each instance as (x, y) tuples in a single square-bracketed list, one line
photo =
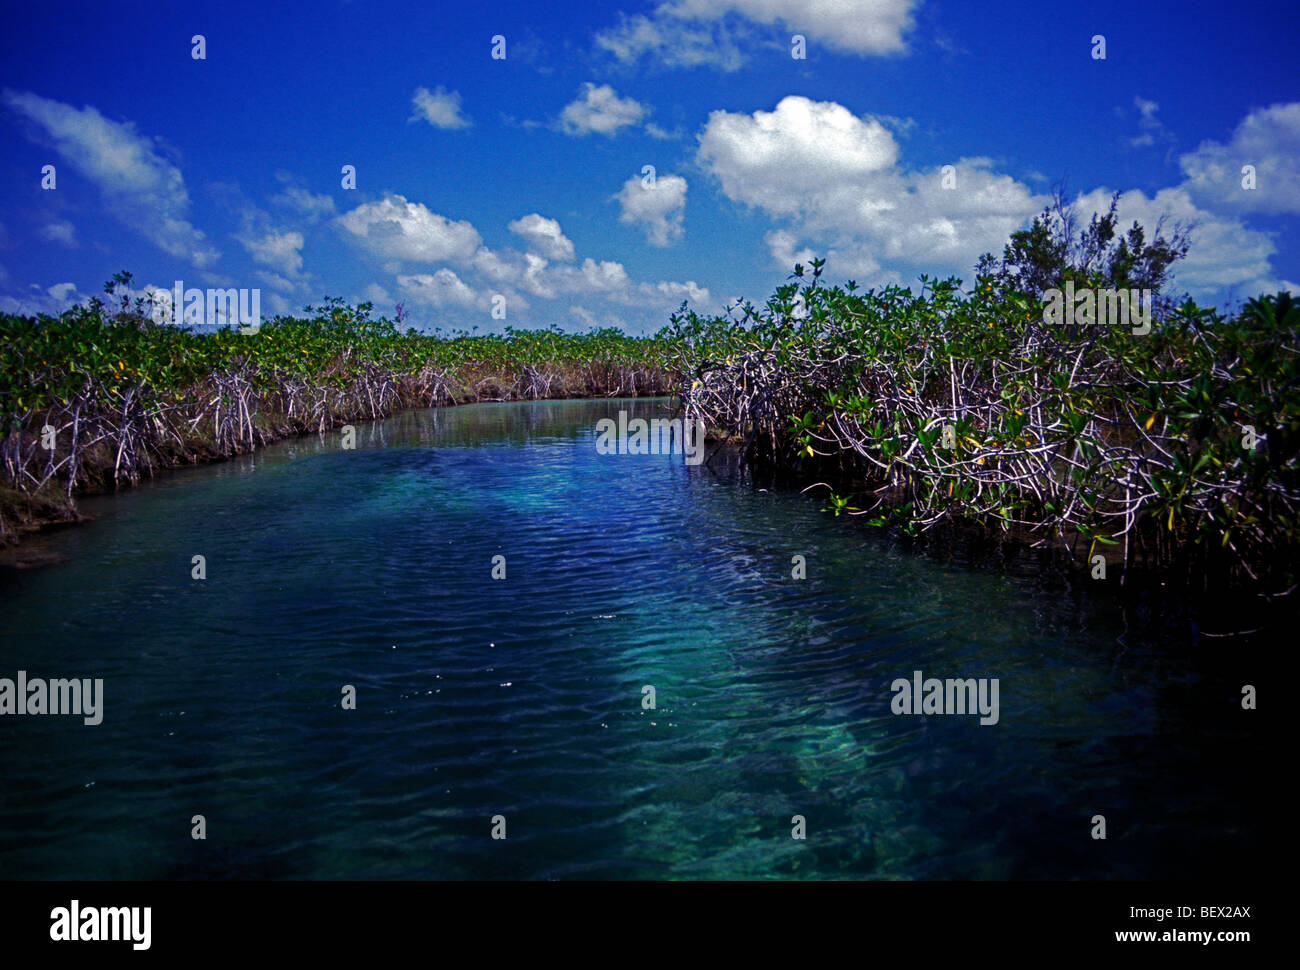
[(523, 697)]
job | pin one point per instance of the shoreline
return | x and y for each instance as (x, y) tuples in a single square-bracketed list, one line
[(972, 544), (46, 515), (145, 399)]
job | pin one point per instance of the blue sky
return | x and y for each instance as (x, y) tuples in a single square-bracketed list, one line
[(522, 178)]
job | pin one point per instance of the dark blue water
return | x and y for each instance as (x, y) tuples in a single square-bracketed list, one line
[(522, 697)]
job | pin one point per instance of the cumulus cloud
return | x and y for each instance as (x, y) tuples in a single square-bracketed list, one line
[(544, 236), (395, 229), (836, 179), (440, 108), (779, 160), (498, 267), (51, 300), (668, 293), (605, 277), (601, 279), (1225, 254), (377, 295), (439, 289), (140, 187), (658, 207), (1268, 139), (687, 33), (609, 279), (510, 268), (600, 110), (534, 276), (838, 184), (275, 281), (281, 250), (855, 261), (274, 246)]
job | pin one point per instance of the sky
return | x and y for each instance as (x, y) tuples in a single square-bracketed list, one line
[(579, 164)]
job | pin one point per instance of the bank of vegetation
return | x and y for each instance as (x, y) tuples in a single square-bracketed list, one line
[(103, 396), (1176, 451)]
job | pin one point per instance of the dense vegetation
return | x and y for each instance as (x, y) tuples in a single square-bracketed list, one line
[(1178, 449), (125, 396)]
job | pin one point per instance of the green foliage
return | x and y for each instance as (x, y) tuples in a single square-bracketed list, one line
[(1055, 249), (1181, 447), (126, 395), (45, 361)]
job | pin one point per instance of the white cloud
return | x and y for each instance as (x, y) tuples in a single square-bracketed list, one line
[(609, 280), (584, 315), (312, 208), (1152, 129), (281, 250), (687, 33), (51, 300), (601, 279), (853, 26), (544, 236), (836, 178), (604, 277), (856, 262), (668, 293), (1268, 139), (658, 207), (591, 321), (1267, 286), (60, 231), (781, 159), (396, 229), (1225, 254), (440, 289), (534, 279), (511, 268), (440, 108), (140, 187), (275, 281), (674, 42), (600, 110), (377, 295), (278, 248), (498, 268)]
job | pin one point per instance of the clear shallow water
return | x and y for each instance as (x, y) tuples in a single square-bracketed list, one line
[(522, 697)]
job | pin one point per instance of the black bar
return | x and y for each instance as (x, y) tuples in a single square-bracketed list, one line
[(462, 923)]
